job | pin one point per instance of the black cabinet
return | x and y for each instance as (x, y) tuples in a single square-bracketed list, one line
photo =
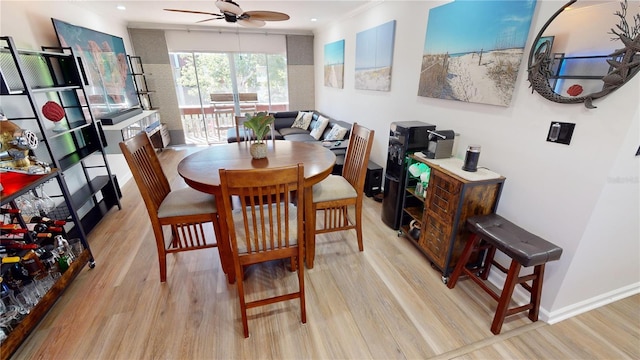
[(405, 138)]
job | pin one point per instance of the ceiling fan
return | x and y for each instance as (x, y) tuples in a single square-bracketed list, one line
[(232, 13)]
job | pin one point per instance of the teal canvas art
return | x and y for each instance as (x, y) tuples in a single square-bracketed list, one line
[(374, 57), (334, 64)]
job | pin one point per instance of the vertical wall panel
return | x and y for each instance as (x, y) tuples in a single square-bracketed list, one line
[(301, 72)]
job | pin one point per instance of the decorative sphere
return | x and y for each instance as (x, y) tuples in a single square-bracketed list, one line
[(574, 90), (53, 111)]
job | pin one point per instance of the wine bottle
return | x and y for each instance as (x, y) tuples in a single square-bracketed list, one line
[(32, 263), (17, 231), (22, 235), (37, 235), (42, 228), (9, 226), (14, 244), (15, 234), (47, 221), (9, 211)]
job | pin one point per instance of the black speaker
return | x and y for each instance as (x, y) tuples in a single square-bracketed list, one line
[(373, 181)]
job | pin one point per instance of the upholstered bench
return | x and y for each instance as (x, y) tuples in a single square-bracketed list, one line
[(491, 232)]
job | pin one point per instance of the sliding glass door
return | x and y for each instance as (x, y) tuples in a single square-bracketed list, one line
[(214, 87)]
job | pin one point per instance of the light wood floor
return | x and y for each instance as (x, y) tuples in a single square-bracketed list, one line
[(384, 303)]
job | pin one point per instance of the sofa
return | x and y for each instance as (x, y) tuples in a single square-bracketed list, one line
[(283, 129)]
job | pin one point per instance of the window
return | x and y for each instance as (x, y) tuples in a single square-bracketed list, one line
[(199, 75)]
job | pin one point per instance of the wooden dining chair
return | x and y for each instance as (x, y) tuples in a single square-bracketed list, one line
[(242, 133), (184, 210), (265, 225), (335, 194)]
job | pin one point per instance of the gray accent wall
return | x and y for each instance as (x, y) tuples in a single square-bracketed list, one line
[(301, 72), (151, 46)]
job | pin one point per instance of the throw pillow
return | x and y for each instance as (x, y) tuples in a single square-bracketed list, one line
[(302, 120), (337, 133), (308, 116), (319, 127)]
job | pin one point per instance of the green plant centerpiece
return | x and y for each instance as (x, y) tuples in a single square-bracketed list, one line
[(259, 123)]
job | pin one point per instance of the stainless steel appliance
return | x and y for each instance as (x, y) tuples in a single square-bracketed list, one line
[(440, 144), (471, 159), (405, 137)]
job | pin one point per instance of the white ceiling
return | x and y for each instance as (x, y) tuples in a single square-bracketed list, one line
[(150, 13)]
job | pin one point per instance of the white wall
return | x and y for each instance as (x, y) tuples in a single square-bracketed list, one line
[(29, 22), (569, 195)]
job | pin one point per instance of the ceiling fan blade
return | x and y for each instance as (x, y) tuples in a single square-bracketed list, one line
[(193, 12), (251, 23), (205, 20), (266, 15), (228, 6)]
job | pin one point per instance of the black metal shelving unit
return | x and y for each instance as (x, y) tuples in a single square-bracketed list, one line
[(140, 82), (29, 79)]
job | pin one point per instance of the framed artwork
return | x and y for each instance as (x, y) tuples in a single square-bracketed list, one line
[(111, 90), (374, 57), (334, 64), (473, 49)]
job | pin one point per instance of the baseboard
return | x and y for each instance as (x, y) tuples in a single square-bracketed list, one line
[(520, 296), (592, 303)]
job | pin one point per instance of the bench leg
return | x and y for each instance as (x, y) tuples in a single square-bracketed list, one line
[(462, 261), (536, 292), (505, 297), (488, 260)]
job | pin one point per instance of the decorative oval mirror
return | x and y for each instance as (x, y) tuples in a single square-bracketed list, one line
[(585, 51)]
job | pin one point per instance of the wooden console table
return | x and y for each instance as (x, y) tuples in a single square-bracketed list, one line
[(452, 196)]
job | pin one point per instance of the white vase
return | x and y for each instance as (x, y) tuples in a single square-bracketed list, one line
[(258, 150)]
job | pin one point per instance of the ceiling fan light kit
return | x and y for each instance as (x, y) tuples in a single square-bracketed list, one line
[(229, 7), (232, 13), (252, 23)]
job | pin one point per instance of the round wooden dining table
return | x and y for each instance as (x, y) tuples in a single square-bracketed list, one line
[(200, 171)]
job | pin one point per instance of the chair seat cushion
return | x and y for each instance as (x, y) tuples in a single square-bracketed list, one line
[(187, 201), (334, 187), (241, 236), (524, 247)]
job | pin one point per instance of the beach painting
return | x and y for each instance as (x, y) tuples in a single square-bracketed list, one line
[(334, 64), (473, 49), (374, 57)]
